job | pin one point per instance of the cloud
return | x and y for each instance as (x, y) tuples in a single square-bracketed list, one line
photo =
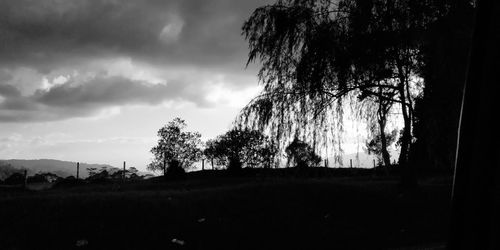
[(171, 31), (48, 34), (61, 59), (111, 91), (77, 99), (9, 91)]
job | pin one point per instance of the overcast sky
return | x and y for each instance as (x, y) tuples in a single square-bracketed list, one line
[(93, 80)]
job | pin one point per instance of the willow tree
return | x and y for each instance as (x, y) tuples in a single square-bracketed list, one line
[(376, 110), (315, 54)]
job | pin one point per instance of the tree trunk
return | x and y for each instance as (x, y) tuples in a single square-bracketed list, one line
[(406, 137), (386, 157), (234, 163), (382, 119), (408, 178), (446, 56)]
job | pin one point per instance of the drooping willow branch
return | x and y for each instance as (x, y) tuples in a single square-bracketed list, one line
[(317, 56)]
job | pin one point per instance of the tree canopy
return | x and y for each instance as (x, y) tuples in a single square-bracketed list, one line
[(318, 55), (302, 154), (176, 147), (238, 147), (376, 146)]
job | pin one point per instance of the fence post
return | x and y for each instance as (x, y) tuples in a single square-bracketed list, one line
[(374, 163), (77, 170), (123, 174), (202, 164), (351, 162)]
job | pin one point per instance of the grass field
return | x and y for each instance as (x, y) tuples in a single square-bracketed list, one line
[(229, 213)]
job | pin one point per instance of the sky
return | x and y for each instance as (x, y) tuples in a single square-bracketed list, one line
[(93, 80)]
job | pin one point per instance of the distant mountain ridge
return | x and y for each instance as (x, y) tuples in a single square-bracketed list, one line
[(58, 167)]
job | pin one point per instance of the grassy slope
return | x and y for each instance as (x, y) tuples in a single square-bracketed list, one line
[(239, 213)]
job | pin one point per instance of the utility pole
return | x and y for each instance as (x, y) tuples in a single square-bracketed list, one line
[(123, 174), (77, 170)]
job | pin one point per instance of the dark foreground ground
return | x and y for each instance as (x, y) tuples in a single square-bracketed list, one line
[(229, 213)]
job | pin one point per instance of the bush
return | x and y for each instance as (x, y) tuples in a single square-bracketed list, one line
[(302, 154), (15, 179), (241, 147), (43, 177), (175, 171), (69, 181), (101, 177)]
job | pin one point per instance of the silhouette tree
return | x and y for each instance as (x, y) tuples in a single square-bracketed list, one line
[(92, 171), (210, 151), (98, 176), (446, 54), (241, 146), (43, 177), (378, 146), (6, 169), (15, 179), (176, 147), (314, 54), (302, 154), (132, 173), (376, 110)]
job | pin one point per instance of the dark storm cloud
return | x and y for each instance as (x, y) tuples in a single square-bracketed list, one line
[(70, 100), (103, 91), (9, 90), (51, 35), (46, 34)]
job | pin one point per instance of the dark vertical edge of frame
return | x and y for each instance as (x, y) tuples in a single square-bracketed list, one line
[(476, 168)]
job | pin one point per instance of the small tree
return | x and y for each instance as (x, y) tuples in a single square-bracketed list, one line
[(210, 150), (241, 146), (302, 154), (15, 179), (43, 177), (92, 171), (176, 148), (101, 175), (132, 173), (375, 146)]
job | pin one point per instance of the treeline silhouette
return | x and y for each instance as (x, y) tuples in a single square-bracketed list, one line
[(178, 150), (20, 178)]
